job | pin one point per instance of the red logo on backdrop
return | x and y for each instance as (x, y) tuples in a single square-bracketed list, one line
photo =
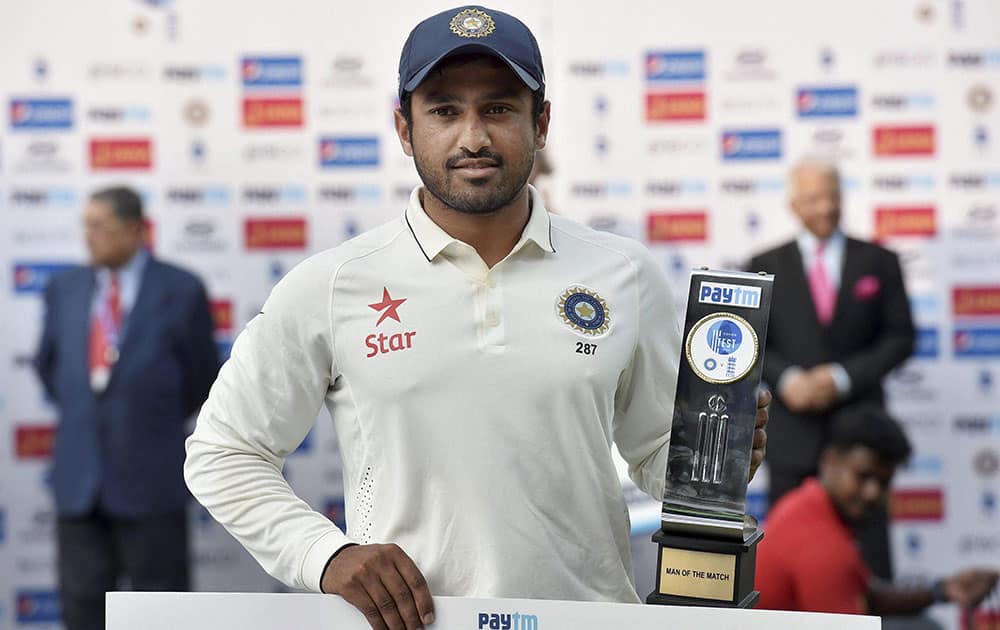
[(272, 112), (667, 227), (903, 141), (275, 233), (923, 504), (222, 315), (34, 442), (976, 301), (382, 343), (121, 154), (905, 221), (675, 106)]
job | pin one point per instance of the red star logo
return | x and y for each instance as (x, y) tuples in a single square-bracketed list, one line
[(388, 305)]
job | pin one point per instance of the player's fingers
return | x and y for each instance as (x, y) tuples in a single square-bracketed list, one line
[(418, 587)]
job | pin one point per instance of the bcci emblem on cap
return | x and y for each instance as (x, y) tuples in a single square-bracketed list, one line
[(584, 311), (472, 23)]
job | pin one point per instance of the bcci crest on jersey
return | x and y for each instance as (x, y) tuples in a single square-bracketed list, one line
[(584, 311)]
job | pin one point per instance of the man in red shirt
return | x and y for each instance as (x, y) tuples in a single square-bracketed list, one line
[(809, 559)]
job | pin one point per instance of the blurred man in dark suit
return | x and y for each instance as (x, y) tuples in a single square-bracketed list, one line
[(127, 355), (840, 321)]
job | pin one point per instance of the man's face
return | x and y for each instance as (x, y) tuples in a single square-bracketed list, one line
[(816, 200), (857, 480), (110, 241), (472, 136)]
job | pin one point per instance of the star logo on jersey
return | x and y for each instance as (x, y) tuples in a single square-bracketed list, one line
[(388, 307)]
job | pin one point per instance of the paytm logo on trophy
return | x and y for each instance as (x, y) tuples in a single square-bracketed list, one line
[(729, 295)]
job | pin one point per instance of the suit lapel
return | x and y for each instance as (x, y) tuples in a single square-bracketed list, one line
[(146, 302), (849, 271), (80, 313)]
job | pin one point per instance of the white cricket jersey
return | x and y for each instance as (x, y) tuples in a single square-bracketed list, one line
[(475, 408)]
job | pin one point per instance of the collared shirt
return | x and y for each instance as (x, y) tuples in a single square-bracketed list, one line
[(476, 408), (129, 281)]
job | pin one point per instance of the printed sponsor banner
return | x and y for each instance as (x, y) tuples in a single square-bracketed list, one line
[(272, 112), (903, 141), (34, 441), (41, 114), (976, 301), (275, 233), (33, 277), (121, 154), (348, 151), (752, 144), (666, 227), (271, 72), (893, 221), (916, 504), (831, 102), (675, 66), (675, 106)]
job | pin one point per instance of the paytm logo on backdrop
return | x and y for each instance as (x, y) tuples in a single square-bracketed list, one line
[(347, 151), (37, 606), (729, 295), (41, 113), (751, 144), (827, 102), (34, 277), (271, 72), (675, 66), (507, 621)]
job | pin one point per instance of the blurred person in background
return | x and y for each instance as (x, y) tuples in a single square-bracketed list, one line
[(809, 559), (840, 321), (127, 355)]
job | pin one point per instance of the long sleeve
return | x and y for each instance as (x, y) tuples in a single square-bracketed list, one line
[(644, 401), (259, 410)]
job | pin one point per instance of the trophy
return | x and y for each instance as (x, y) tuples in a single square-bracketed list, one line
[(707, 544)]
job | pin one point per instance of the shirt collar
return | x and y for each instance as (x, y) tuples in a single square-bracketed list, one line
[(432, 240), (131, 270), (808, 241)]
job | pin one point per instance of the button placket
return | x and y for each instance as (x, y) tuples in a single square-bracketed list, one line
[(493, 312)]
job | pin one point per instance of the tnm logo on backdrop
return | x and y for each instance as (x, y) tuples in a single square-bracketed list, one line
[(507, 621)]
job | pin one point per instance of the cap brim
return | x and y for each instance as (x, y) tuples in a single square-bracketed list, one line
[(421, 74)]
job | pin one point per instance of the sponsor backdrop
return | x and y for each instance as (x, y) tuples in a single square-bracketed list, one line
[(258, 136)]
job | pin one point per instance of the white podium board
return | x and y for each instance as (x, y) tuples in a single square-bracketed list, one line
[(264, 611)]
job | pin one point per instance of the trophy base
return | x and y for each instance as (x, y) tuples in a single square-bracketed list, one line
[(698, 571)]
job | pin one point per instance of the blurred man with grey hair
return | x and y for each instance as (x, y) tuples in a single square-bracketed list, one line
[(840, 321)]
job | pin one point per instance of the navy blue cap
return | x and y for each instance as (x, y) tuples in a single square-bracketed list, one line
[(470, 29)]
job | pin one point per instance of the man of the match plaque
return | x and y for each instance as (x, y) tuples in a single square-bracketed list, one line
[(707, 543)]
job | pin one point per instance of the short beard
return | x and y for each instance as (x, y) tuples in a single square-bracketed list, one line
[(493, 200)]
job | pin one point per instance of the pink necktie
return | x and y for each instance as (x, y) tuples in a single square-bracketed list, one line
[(822, 292)]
